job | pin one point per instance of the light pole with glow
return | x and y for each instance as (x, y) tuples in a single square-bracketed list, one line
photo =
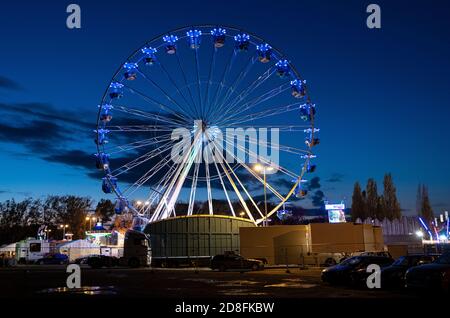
[(264, 169), (64, 227)]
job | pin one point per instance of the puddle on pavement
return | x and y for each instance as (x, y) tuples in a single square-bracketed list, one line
[(291, 285), (203, 280), (236, 283), (241, 292), (85, 290)]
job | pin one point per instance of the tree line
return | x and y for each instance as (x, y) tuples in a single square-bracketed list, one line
[(22, 219), (367, 203), (423, 205)]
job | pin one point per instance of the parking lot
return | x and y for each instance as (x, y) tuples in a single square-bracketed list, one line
[(44, 281)]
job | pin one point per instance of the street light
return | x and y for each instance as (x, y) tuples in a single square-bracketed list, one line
[(241, 214), (90, 219), (64, 227), (262, 168)]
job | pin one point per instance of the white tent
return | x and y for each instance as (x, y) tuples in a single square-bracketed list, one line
[(78, 248), (8, 250)]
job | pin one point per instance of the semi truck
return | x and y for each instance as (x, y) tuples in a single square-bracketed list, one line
[(136, 252)]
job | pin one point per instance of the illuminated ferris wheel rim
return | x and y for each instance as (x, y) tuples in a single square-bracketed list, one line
[(181, 34)]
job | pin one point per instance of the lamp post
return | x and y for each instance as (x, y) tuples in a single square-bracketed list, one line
[(264, 169), (91, 219), (64, 227)]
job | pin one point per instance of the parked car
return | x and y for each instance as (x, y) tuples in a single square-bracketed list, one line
[(99, 261), (363, 253), (352, 271), (83, 260), (394, 276), (429, 276), (223, 262), (53, 259)]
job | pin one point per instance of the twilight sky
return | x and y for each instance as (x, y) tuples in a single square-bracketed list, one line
[(383, 96)]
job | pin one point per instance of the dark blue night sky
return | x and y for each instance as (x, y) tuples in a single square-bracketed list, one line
[(383, 96)]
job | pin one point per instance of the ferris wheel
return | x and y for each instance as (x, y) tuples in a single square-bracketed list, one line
[(200, 83)]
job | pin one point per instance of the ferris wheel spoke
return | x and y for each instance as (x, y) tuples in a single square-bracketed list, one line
[(263, 160), (156, 117), (160, 188), (224, 188), (278, 146), (148, 175), (282, 128), (199, 84), (208, 188), (193, 189), (173, 189), (240, 183), (244, 71), (143, 128), (256, 83), (253, 173), (139, 144), (221, 85), (238, 194), (166, 95), (155, 102), (208, 83), (269, 113), (256, 101), (194, 105), (177, 88), (232, 105), (140, 160)]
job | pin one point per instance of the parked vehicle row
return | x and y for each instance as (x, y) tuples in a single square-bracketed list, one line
[(430, 272)]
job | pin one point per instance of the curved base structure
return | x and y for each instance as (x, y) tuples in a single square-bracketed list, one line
[(191, 239)]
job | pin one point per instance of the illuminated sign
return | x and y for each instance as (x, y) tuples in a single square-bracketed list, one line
[(336, 213)]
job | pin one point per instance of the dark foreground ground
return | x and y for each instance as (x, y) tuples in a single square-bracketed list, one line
[(50, 281)]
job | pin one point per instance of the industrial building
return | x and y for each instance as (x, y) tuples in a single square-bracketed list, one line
[(299, 244)]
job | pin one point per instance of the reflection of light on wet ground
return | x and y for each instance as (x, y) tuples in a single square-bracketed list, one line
[(203, 280), (236, 283), (292, 283), (219, 283), (86, 290), (241, 292)]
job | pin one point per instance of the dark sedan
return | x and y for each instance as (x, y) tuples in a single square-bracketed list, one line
[(394, 276), (352, 271), (53, 259), (429, 276), (232, 261)]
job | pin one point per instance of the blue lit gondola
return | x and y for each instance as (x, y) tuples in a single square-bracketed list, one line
[(298, 88), (170, 40), (307, 112), (101, 161), (218, 35), (101, 137), (108, 184), (194, 38), (115, 90), (282, 67), (105, 113), (130, 71), (150, 55), (264, 52), (242, 41)]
